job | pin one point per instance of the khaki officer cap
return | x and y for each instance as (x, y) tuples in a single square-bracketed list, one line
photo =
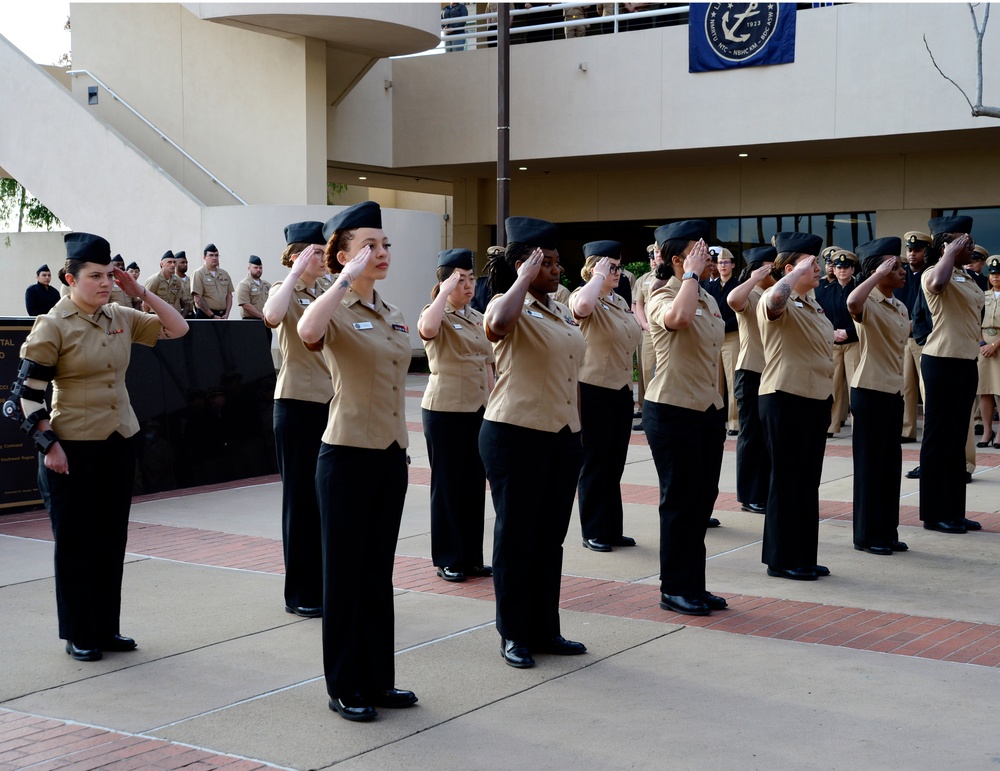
[(827, 254), (843, 254), (916, 239), (494, 250), (982, 253)]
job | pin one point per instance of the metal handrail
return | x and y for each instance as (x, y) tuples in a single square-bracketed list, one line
[(162, 136)]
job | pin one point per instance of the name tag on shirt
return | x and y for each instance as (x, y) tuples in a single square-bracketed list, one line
[(797, 304), (362, 325), (960, 279), (535, 314), (697, 312), (605, 307), (304, 301), (457, 326)]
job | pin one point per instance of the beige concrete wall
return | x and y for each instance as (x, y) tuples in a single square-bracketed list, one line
[(22, 255), (244, 104)]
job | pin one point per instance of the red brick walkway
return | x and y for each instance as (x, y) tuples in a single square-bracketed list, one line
[(41, 744)]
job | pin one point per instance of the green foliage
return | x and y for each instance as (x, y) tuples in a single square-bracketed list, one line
[(638, 268), (333, 189), (17, 205)]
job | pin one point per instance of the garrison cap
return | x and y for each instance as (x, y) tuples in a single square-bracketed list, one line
[(168, 255), (959, 224), (531, 231), (760, 254), (118, 258), (687, 230), (254, 260), (181, 255), (310, 232), (799, 243), (366, 214), (880, 247), (611, 249), (86, 247), (43, 269), (455, 258), (993, 264), (915, 239), (844, 259), (133, 265), (209, 248)]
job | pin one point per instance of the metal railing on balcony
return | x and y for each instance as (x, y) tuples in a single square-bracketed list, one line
[(161, 135)]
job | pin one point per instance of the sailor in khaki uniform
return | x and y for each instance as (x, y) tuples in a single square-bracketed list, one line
[(133, 271), (361, 474), (301, 405), (950, 370), (83, 346), (989, 361), (117, 293), (164, 284), (912, 296), (683, 414), (796, 393), (877, 396), (647, 356), (753, 464), (530, 440), (211, 287), (187, 301), (606, 404), (252, 291), (461, 365)]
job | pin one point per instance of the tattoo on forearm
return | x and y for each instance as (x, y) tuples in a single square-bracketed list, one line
[(777, 299), (344, 284)]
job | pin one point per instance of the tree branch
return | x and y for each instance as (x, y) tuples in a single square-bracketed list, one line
[(934, 62)]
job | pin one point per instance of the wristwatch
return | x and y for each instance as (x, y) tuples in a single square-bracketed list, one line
[(689, 274)]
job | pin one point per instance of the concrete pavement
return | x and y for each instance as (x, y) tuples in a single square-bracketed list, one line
[(891, 662)]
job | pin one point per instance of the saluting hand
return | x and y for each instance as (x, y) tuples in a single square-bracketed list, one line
[(804, 267), (532, 265), (761, 273), (602, 268), (449, 284), (954, 248), (884, 268), (356, 266), (698, 258), (311, 253), (128, 285)]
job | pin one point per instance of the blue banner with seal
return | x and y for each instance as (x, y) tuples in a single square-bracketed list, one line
[(725, 36)]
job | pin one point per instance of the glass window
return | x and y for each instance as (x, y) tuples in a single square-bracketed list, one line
[(985, 225)]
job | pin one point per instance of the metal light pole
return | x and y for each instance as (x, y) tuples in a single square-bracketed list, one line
[(503, 121)]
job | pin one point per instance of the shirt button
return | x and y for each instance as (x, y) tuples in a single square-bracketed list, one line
[(394, 361), (109, 366), (111, 385), (114, 406), (394, 414), (104, 345), (571, 356), (394, 388)]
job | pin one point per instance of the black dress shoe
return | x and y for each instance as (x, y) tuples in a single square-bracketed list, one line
[(393, 698), (820, 570), (622, 540), (946, 527), (755, 508), (714, 602), (119, 644), (713, 522), (637, 415), (354, 707), (914, 473), (971, 524), (299, 610), (516, 654), (638, 427), (907, 439), (985, 443), (479, 571), (450, 574), (968, 477), (594, 545), (881, 550), (560, 646), (732, 432), (83, 654), (689, 606), (796, 574), (898, 546)]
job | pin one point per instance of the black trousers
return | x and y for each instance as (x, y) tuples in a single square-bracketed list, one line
[(360, 493), (687, 448), (458, 487), (533, 476), (795, 432), (298, 431), (878, 465), (90, 527), (950, 387), (753, 462), (606, 419)]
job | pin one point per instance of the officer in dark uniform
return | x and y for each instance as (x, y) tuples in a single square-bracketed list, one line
[(846, 353), (41, 296)]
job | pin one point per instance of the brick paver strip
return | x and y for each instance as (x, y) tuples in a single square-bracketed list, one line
[(45, 745)]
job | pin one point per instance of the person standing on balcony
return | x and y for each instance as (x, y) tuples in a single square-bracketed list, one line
[(211, 287), (41, 296), (454, 10)]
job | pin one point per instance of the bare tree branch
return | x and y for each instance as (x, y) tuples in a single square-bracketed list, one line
[(978, 109), (934, 62)]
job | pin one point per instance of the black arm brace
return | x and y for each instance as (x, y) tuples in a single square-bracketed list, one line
[(18, 390)]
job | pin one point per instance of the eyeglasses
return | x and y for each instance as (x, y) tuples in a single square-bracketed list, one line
[(614, 268), (725, 262)]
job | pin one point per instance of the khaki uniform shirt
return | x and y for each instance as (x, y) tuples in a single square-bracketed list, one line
[(167, 289), (641, 294), (458, 357), (253, 292), (213, 289), (991, 315), (539, 366), (956, 314), (612, 335), (91, 356), (561, 295), (187, 302), (798, 348), (687, 360), (304, 374), (368, 353), (118, 296), (751, 357), (882, 330)]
